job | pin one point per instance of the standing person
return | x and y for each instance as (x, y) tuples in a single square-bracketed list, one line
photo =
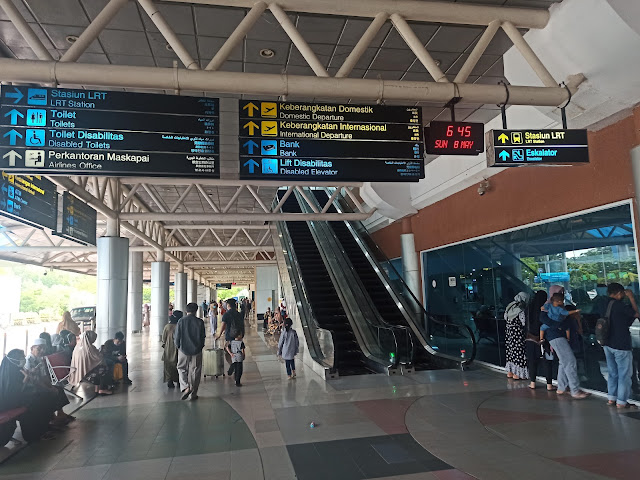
[(170, 353), (213, 318), (535, 359), (232, 326), (265, 319), (617, 349), (235, 349), (146, 315), (68, 324), (205, 308), (288, 346), (516, 319), (189, 338)]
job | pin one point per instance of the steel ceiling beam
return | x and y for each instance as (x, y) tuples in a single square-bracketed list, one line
[(252, 217), (292, 86), (234, 263), (414, 10), (207, 226)]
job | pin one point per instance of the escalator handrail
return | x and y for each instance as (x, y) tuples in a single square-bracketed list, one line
[(381, 273), (303, 303), (394, 330)]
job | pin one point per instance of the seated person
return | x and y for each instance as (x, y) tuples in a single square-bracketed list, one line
[(120, 354), (48, 350), (88, 364), (16, 391), (38, 377)]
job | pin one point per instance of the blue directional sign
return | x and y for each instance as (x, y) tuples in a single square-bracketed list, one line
[(78, 220), (30, 199), (509, 148), (318, 141), (94, 132)]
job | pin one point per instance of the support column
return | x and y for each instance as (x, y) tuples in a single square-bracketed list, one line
[(111, 307), (134, 304), (192, 289), (410, 264), (159, 298), (180, 287), (635, 169)]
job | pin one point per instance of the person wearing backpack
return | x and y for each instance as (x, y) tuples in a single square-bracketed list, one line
[(288, 346), (232, 327), (617, 344)]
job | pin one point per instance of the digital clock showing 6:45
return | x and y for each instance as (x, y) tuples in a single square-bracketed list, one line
[(454, 138)]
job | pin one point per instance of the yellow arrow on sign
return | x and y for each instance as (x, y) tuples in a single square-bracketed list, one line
[(503, 138), (251, 126), (251, 107)]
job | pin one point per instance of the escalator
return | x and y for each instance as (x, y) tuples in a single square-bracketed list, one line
[(437, 344), (380, 296), (323, 298)]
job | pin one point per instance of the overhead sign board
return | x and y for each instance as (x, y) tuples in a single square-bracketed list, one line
[(318, 141), (31, 199), (89, 132), (77, 220), (508, 148), (223, 286), (454, 138)]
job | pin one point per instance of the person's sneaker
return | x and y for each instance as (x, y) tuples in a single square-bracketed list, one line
[(194, 397), (580, 395), (238, 384), (185, 394), (170, 384), (294, 375)]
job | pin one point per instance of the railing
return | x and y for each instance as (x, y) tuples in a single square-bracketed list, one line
[(381, 342), (450, 341), (319, 340)]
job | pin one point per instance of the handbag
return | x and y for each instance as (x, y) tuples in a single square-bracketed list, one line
[(117, 372)]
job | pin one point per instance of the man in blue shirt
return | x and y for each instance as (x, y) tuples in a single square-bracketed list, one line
[(618, 346)]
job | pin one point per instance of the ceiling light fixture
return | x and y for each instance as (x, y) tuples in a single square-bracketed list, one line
[(71, 39), (267, 53)]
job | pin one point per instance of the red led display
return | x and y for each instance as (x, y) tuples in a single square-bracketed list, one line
[(454, 138)]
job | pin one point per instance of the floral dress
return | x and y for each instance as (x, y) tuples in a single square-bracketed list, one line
[(516, 360)]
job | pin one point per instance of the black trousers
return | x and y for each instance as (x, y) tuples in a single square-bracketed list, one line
[(237, 370), (537, 362)]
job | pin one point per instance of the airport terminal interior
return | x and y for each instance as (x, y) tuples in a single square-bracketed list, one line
[(431, 207)]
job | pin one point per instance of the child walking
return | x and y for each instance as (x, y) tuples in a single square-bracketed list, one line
[(235, 348), (288, 347)]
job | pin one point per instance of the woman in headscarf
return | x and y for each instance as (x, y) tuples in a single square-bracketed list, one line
[(38, 377), (87, 363), (16, 391), (170, 354), (68, 324), (516, 318)]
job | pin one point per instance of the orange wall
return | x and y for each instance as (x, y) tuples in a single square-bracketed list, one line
[(524, 195)]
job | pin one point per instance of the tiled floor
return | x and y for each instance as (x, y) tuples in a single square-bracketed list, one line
[(434, 425)]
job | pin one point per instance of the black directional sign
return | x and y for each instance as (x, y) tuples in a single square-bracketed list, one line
[(31, 199), (315, 141), (77, 221), (61, 131), (508, 148)]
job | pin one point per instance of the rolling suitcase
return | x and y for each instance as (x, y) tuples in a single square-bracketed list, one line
[(213, 362)]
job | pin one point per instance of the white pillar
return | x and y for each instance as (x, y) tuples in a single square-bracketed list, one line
[(159, 298), (111, 307), (134, 304), (192, 291), (180, 288), (635, 168), (410, 268)]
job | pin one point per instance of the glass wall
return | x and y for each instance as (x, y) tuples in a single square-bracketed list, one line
[(473, 282)]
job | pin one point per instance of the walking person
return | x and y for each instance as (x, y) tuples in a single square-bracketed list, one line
[(236, 351), (232, 326), (515, 317), (617, 349), (189, 339), (213, 318), (170, 352), (288, 346)]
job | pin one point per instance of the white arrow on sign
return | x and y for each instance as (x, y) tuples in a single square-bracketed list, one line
[(12, 157)]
